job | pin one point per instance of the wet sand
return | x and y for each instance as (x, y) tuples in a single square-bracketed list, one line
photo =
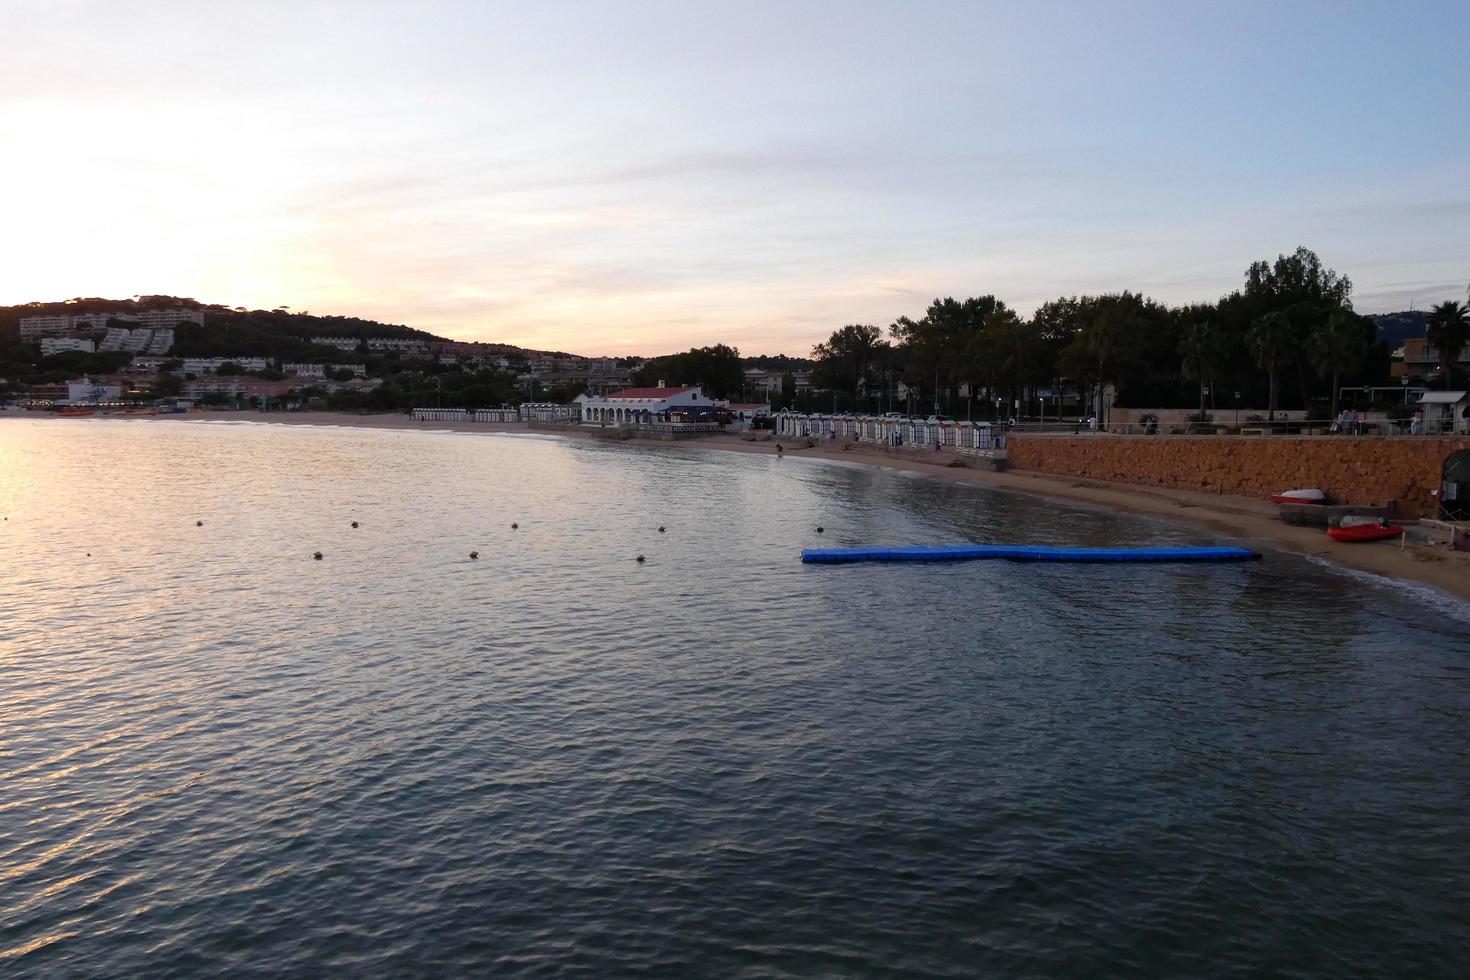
[(1241, 517)]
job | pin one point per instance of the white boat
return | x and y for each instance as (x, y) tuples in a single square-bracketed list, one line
[(1300, 497)]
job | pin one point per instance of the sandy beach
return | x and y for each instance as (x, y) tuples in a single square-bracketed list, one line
[(1241, 517)]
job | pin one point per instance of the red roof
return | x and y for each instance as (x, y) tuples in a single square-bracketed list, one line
[(650, 394)]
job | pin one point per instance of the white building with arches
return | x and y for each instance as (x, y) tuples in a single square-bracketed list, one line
[(634, 405)]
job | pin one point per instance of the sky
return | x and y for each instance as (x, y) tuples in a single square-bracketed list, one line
[(643, 177)]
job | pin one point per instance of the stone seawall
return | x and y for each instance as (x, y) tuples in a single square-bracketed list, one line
[(1365, 470)]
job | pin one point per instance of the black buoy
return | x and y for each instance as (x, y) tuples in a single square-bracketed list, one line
[(317, 555), (660, 529), (820, 530), (640, 558), (354, 524), (198, 523), (474, 555), (513, 525)]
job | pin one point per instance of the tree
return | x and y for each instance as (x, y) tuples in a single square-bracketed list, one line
[(1006, 353), (166, 385), (1203, 351), (1296, 278), (718, 370), (1449, 323), (1337, 347), (1272, 341), (846, 360), (1109, 347), (229, 369)]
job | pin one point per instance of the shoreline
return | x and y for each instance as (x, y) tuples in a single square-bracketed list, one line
[(1239, 517)]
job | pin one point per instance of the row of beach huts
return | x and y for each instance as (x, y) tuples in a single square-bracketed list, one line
[(526, 412), (888, 430)]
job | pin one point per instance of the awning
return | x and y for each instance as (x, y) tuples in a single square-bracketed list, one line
[(1441, 397)]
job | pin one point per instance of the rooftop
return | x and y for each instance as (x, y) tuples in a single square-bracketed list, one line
[(649, 394)]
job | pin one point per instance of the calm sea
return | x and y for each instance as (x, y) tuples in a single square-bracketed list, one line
[(221, 757)]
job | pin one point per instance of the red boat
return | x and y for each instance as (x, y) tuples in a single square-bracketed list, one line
[(1365, 532)]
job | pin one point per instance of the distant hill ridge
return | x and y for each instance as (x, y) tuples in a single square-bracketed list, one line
[(229, 330), (1395, 328)]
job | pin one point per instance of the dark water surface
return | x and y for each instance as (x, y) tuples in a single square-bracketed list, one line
[(218, 756)]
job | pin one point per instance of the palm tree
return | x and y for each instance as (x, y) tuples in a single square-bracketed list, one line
[(1337, 346), (1271, 339), (1448, 331), (1203, 350)]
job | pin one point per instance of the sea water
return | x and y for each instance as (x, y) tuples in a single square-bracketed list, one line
[(219, 755)]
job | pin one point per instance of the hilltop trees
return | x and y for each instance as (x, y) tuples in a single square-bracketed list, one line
[(1449, 323)]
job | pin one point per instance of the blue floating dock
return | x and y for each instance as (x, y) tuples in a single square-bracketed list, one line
[(994, 552)]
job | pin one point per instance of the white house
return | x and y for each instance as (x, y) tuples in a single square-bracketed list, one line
[(208, 365), (33, 327), (632, 405), (57, 345), (87, 390), (341, 343), (320, 370)]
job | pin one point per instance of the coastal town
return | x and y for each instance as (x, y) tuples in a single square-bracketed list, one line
[(708, 489), (1372, 442)]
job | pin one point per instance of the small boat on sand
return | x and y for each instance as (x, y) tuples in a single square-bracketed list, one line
[(1365, 532), (1299, 497)]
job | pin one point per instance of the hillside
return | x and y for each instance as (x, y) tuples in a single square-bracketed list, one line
[(1395, 328)]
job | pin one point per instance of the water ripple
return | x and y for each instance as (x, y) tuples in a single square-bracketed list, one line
[(221, 757)]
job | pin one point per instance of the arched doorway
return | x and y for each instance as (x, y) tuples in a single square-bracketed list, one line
[(1454, 490)]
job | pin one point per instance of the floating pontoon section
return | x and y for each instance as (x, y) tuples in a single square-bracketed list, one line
[(978, 552)]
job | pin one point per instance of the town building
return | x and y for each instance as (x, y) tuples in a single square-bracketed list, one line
[(401, 345), (237, 388), (744, 414), (36, 327), (759, 381), (165, 319), (341, 343), (92, 391), (1420, 359), (136, 341), (60, 345), (209, 365), (320, 370), (633, 405)]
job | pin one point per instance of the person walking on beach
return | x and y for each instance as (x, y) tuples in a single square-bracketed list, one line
[(779, 450)]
